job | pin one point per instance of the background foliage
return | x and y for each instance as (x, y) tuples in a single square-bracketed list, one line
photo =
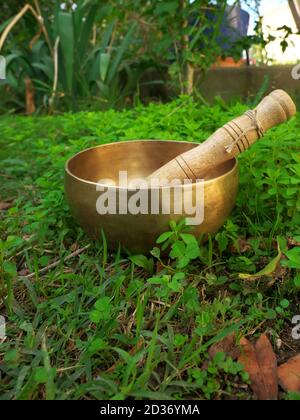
[(99, 54)]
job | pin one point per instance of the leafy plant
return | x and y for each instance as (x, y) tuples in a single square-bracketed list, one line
[(184, 246), (208, 380), (67, 66)]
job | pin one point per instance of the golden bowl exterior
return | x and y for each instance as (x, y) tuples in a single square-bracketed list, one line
[(138, 233)]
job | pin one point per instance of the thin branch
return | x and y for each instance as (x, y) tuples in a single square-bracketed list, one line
[(16, 19), (295, 9), (35, 38), (112, 39), (55, 80), (12, 24), (41, 19), (55, 263), (94, 37), (37, 6)]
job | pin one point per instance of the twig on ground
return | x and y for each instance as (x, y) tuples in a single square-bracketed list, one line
[(56, 263)]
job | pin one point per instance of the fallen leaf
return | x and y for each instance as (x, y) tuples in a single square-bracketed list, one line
[(293, 242), (241, 246), (159, 267), (24, 272), (29, 95), (289, 375), (228, 346), (27, 237), (261, 364), (74, 247), (5, 205), (268, 271)]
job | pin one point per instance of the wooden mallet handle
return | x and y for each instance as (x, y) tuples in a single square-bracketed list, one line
[(229, 141)]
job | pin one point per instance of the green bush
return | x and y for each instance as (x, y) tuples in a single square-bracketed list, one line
[(69, 69)]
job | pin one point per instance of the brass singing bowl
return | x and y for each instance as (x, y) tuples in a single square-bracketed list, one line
[(138, 233)]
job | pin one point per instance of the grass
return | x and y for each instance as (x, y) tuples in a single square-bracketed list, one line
[(101, 325)]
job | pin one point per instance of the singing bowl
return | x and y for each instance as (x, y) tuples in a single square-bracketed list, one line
[(138, 233)]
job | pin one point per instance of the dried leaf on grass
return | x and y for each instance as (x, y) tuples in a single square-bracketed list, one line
[(29, 94), (268, 271), (260, 362), (241, 246), (228, 346), (159, 267), (289, 375), (5, 205), (293, 242), (24, 272)]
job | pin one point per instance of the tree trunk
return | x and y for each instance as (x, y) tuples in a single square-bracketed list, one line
[(188, 68), (29, 95), (295, 9), (189, 78)]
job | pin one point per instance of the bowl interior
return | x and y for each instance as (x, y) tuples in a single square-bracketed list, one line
[(138, 158)]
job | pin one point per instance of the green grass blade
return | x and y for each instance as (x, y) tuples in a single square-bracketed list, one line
[(120, 53), (104, 64), (67, 43)]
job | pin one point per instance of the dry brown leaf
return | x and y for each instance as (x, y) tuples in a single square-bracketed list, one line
[(228, 346), (27, 237), (268, 362), (242, 245), (29, 94), (289, 375), (24, 272), (261, 364), (159, 267), (292, 242), (5, 205), (74, 247)]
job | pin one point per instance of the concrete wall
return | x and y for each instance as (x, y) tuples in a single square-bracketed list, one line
[(231, 83)]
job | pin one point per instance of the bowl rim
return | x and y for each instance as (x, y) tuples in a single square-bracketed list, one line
[(68, 171)]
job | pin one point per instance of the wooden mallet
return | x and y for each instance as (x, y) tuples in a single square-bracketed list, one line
[(229, 141)]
